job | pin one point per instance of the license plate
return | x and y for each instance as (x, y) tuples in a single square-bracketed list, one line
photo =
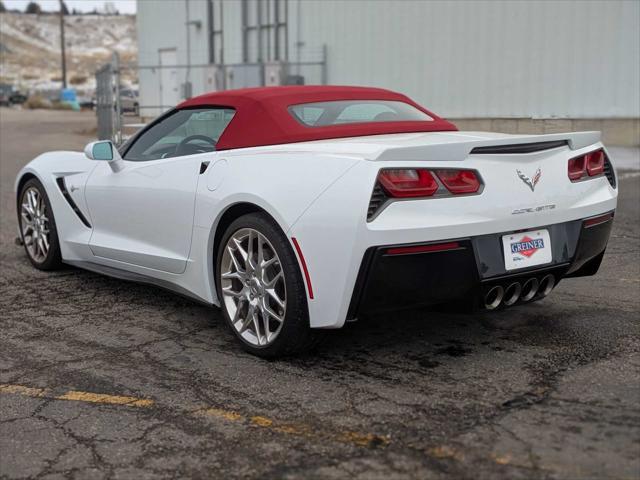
[(526, 249)]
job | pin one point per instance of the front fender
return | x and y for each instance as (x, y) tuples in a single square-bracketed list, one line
[(47, 168), (50, 165)]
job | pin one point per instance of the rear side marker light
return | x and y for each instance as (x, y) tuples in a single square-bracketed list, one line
[(305, 270), (459, 181), (588, 165), (408, 182), (591, 222), (423, 248)]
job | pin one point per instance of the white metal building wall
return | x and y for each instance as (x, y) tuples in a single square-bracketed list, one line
[(162, 25), (463, 59), (485, 58)]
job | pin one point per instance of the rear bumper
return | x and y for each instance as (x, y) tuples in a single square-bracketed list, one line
[(393, 276)]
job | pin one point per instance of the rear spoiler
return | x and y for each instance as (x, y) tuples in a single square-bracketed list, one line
[(511, 144)]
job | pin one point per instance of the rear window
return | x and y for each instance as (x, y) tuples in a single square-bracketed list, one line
[(341, 112)]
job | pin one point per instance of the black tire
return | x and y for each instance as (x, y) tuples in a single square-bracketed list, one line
[(53, 259), (295, 335)]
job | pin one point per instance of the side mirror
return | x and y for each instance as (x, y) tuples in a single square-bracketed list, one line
[(104, 150)]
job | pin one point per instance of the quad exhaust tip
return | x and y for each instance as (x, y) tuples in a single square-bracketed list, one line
[(529, 289), (512, 294), (493, 298), (546, 285)]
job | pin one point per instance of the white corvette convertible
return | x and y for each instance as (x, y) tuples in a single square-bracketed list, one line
[(296, 209)]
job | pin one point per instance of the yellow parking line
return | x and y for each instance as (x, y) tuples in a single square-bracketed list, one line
[(363, 439), (22, 390), (76, 396), (261, 421), (302, 430), (104, 398), (225, 414)]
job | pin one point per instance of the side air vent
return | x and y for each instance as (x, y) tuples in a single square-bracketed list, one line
[(519, 148), (378, 199), (67, 196), (608, 171)]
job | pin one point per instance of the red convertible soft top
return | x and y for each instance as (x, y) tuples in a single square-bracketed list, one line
[(262, 116)]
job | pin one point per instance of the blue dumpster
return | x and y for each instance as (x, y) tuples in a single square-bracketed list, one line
[(68, 96)]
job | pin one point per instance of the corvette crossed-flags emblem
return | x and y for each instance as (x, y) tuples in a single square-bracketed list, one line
[(530, 182)]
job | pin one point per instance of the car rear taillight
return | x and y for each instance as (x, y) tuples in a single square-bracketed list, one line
[(408, 182), (587, 165), (459, 181), (417, 183), (577, 168), (595, 163), (420, 182)]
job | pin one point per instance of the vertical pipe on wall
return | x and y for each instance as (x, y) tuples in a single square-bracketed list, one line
[(286, 30), (325, 75), (259, 30), (188, 73), (211, 32), (298, 37), (276, 30), (269, 29), (245, 32), (221, 3)]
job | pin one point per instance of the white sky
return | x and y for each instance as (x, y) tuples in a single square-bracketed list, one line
[(123, 6)]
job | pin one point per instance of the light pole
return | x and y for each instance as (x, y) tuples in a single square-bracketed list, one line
[(64, 60)]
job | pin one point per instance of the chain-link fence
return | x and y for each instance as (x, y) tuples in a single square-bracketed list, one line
[(108, 102)]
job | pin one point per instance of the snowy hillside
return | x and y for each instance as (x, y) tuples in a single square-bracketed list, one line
[(30, 48)]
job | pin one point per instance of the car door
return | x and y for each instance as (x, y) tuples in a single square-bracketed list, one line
[(142, 214)]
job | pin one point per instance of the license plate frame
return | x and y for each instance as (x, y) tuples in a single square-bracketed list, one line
[(527, 249)]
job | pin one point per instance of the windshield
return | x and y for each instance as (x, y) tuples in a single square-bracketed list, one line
[(342, 112)]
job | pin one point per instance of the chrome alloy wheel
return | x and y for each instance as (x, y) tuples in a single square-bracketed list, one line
[(34, 224), (253, 287)]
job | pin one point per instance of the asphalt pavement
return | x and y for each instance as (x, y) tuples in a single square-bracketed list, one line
[(101, 378)]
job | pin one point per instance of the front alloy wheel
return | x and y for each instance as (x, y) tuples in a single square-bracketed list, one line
[(253, 287), (38, 226), (35, 225)]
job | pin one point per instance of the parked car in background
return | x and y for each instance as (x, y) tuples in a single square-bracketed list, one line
[(17, 98), (87, 102), (5, 94), (10, 96), (129, 101)]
